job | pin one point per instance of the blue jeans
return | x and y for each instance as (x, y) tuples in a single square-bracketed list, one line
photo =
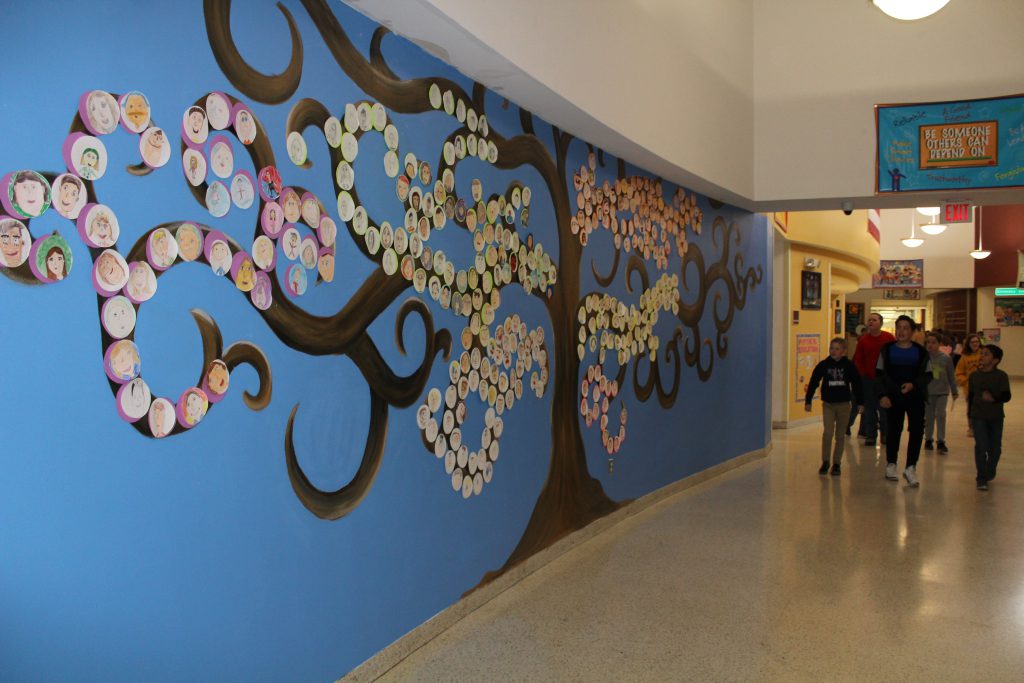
[(873, 420), (988, 446)]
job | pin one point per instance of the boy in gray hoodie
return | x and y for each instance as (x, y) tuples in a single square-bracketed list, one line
[(942, 384)]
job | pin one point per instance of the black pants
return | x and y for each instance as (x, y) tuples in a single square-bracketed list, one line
[(912, 406)]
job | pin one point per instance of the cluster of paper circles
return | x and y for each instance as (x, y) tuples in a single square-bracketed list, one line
[(654, 226), (597, 392), (607, 324), (280, 223), (493, 367), (475, 143)]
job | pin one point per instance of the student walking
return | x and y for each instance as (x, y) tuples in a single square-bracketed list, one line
[(837, 376), (865, 357), (968, 363), (988, 390), (904, 371), (939, 388)]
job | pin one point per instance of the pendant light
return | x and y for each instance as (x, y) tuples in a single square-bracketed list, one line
[(909, 10), (913, 241), (933, 228), (980, 253)]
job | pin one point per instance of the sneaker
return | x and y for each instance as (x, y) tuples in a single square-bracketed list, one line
[(942, 448), (823, 469), (983, 486), (890, 472), (929, 445), (910, 474), (869, 442), (836, 471)]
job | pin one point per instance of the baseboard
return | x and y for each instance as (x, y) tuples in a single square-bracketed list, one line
[(389, 657), (790, 424)]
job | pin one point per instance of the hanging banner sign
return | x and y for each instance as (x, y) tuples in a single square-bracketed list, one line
[(950, 145)]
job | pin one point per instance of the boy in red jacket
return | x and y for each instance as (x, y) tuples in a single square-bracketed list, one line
[(869, 345)]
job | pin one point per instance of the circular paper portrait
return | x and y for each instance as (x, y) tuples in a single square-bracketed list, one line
[(133, 400), (68, 195), (141, 282), (270, 183), (218, 110), (154, 147), (192, 407), (308, 252), (85, 155), (272, 219), (194, 126), (51, 260), (218, 253), (99, 112), (296, 145), (193, 163), (295, 280), (391, 164), (122, 361), (118, 317), (263, 253), (310, 210), (190, 241), (97, 226), (243, 192), (291, 204), (328, 231), (243, 272), (216, 380), (27, 194), (161, 249), (135, 112), (245, 124), (291, 243), (109, 273), (161, 418), (218, 200), (332, 131), (346, 206), (222, 158), (344, 175), (325, 264), (364, 116), (262, 293), (349, 147)]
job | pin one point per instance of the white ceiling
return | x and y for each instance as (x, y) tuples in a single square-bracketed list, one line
[(767, 104)]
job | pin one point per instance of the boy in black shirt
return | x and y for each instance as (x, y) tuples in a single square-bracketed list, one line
[(836, 375), (904, 371), (988, 390)]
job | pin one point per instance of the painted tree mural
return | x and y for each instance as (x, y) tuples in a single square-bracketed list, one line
[(598, 344)]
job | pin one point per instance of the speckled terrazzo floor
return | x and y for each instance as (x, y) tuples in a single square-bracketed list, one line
[(772, 572)]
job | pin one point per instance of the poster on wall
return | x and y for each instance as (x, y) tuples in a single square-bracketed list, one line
[(854, 316), (901, 294), (991, 335), (808, 347), (899, 273), (810, 290), (838, 323), (949, 145), (1009, 312)]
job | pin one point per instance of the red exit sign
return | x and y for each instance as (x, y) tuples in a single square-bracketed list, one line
[(957, 213)]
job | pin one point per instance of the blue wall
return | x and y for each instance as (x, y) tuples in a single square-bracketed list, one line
[(124, 557)]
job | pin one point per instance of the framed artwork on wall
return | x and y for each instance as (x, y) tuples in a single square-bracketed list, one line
[(837, 327), (810, 290), (900, 273)]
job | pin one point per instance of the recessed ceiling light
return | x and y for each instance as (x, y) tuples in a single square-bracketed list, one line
[(909, 10)]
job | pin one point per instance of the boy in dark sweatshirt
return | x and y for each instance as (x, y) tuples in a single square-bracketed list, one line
[(904, 371), (988, 388), (837, 375)]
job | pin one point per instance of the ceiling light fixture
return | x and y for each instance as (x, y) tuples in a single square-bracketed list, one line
[(913, 242), (980, 253), (933, 228), (909, 10), (930, 211)]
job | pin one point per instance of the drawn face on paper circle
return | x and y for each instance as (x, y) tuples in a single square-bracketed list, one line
[(56, 268), (15, 243), (325, 265), (296, 279), (135, 111), (332, 131), (291, 206), (263, 252), (261, 295), (195, 126), (245, 277), (328, 231), (111, 271), (134, 399), (194, 164), (220, 257), (154, 148), (222, 160), (102, 112), (311, 212), (290, 243), (29, 194), (103, 229), (69, 197), (163, 248), (218, 111), (242, 192), (217, 377), (190, 244), (124, 360), (141, 281), (161, 418), (194, 406), (245, 126), (118, 317), (217, 199), (308, 253)]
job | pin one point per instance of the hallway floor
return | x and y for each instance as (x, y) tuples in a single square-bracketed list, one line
[(772, 572)]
